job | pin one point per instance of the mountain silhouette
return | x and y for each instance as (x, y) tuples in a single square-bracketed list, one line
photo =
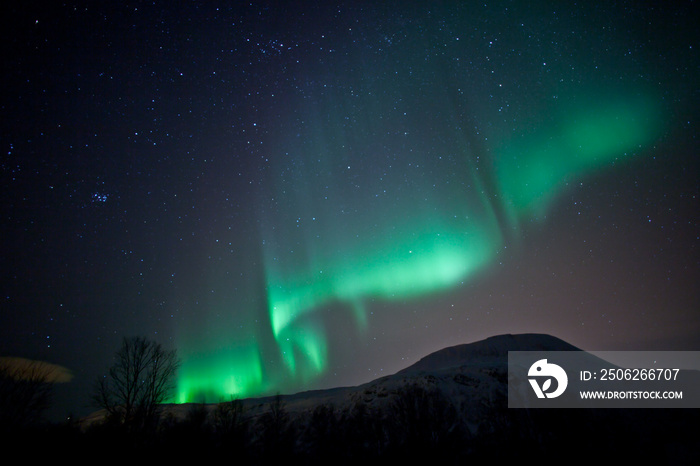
[(491, 350)]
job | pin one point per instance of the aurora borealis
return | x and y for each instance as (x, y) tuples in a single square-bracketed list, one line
[(313, 195), (311, 263)]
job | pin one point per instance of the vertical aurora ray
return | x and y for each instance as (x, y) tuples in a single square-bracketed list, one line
[(211, 376), (222, 341)]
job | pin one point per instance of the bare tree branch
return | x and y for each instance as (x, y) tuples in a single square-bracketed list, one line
[(141, 378)]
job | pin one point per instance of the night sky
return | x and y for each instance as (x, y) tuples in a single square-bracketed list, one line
[(302, 195)]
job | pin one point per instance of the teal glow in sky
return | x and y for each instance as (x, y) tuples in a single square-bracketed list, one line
[(334, 247), (583, 138)]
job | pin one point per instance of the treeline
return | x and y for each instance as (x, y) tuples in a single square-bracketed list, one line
[(417, 423), (414, 424)]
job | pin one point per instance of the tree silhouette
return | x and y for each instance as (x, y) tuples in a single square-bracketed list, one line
[(25, 392), (424, 422), (141, 378), (324, 436), (231, 427), (276, 431), (229, 418)]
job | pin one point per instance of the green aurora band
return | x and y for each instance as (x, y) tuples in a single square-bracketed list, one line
[(435, 248)]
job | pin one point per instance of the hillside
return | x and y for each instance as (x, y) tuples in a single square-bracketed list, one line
[(450, 405)]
